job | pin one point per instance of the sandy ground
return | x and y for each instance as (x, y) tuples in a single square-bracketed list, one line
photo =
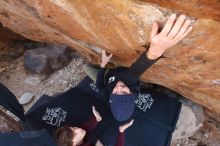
[(14, 76), (15, 79)]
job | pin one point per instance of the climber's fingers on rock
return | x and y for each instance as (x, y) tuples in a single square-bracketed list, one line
[(176, 27), (169, 24), (189, 29)]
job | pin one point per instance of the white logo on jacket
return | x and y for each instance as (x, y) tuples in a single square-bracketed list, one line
[(54, 116), (111, 79), (144, 102), (93, 87)]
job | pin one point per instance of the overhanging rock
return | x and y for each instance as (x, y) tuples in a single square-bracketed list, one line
[(192, 68)]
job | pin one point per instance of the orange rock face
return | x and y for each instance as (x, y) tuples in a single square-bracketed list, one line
[(197, 8), (192, 68)]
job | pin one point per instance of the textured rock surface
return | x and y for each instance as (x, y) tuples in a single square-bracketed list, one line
[(34, 80), (47, 59), (121, 27), (191, 118), (26, 98), (197, 8)]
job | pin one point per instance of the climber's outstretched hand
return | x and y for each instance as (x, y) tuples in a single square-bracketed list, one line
[(173, 31), (105, 59)]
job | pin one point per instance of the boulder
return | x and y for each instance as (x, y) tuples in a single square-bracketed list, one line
[(34, 80), (46, 59), (190, 68), (26, 98), (191, 118)]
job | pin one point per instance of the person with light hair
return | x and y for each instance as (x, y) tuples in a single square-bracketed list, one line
[(80, 136)]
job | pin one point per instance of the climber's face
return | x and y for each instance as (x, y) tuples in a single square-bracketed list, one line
[(121, 89)]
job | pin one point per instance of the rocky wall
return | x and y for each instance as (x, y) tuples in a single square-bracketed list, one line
[(209, 9), (121, 27)]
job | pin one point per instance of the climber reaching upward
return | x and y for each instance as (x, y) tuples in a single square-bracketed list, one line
[(120, 86)]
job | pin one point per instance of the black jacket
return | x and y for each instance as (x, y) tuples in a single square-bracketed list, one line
[(155, 115), (106, 81)]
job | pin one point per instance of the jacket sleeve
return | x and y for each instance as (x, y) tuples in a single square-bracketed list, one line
[(100, 78), (90, 124), (132, 75), (120, 140)]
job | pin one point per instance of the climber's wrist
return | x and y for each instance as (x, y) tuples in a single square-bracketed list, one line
[(154, 53), (102, 65)]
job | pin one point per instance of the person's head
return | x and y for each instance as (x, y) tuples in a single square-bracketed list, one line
[(122, 102), (121, 89), (69, 136)]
